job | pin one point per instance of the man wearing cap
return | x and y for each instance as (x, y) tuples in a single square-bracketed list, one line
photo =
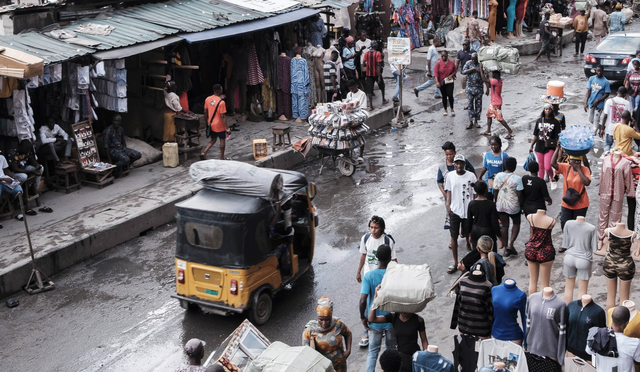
[(598, 90), (370, 282), (460, 192), (194, 349)]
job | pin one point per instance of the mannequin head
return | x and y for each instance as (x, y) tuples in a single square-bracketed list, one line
[(432, 348), (581, 219), (547, 292)]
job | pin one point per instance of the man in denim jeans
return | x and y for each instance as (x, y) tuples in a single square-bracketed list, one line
[(432, 58), (370, 282)]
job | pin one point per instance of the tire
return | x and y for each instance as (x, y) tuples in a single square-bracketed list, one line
[(346, 168), (260, 311), (189, 306)]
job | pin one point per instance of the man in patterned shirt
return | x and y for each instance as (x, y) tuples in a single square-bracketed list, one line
[(117, 146)]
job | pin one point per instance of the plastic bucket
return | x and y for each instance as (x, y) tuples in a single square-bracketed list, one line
[(555, 88)]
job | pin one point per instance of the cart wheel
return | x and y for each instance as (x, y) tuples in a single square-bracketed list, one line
[(260, 312), (346, 168)]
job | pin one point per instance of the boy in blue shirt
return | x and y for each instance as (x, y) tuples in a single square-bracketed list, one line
[(598, 90), (370, 282)]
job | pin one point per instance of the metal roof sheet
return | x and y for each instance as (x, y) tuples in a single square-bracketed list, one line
[(49, 49)]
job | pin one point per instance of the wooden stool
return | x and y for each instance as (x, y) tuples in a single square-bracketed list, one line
[(30, 192), (67, 177), (280, 131), (6, 206)]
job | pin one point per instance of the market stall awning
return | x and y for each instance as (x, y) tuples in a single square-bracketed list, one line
[(47, 48), (257, 25), (136, 49), (15, 63)]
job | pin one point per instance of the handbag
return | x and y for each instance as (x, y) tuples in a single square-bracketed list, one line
[(208, 129), (571, 196), (529, 159)]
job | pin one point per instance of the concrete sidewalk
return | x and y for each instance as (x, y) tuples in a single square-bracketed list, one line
[(89, 221)]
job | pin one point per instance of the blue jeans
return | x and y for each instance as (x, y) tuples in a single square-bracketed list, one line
[(608, 142), (22, 177), (635, 102), (397, 92), (427, 84), (6, 188), (475, 45), (427, 361), (375, 342)]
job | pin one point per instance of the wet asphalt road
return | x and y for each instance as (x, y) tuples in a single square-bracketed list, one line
[(114, 313)]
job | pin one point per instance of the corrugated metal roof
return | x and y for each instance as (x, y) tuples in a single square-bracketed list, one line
[(49, 49), (336, 4), (127, 31), (196, 15)]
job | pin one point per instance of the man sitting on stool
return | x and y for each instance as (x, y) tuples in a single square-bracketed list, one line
[(23, 164), (53, 140), (117, 146)]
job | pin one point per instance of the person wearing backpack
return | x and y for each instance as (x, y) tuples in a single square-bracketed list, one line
[(368, 247)]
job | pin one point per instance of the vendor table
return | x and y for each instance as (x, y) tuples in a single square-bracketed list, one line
[(184, 123), (558, 28)]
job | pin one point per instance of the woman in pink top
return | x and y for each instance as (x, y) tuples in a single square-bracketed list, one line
[(445, 75), (494, 86)]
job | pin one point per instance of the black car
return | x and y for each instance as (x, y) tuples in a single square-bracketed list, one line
[(614, 53)]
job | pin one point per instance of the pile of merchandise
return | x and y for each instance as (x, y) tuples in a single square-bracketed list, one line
[(577, 139), (500, 58), (338, 126)]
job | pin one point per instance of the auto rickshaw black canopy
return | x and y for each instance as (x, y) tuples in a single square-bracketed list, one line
[(226, 229)]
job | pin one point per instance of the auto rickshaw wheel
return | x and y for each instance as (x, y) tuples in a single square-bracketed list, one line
[(260, 312), (345, 167)]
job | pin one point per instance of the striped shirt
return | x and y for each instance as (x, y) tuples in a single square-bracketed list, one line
[(473, 310), (372, 58), (329, 71)]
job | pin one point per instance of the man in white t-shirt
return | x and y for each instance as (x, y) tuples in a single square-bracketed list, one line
[(363, 45), (432, 58), (612, 114), (459, 194), (369, 244), (628, 347)]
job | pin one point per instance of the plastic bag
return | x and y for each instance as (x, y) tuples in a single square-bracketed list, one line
[(529, 159)]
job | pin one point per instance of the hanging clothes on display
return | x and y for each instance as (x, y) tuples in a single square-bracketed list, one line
[(465, 356), (283, 93), (404, 16), (616, 180), (512, 355), (316, 31), (300, 88), (446, 24), (473, 309), (308, 56), (254, 73), (508, 300), (546, 326), (580, 319)]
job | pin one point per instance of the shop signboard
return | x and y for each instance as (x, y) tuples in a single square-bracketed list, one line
[(399, 50)]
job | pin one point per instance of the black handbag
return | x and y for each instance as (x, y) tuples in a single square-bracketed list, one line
[(571, 196)]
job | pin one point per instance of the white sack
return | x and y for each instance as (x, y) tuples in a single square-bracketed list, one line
[(405, 288)]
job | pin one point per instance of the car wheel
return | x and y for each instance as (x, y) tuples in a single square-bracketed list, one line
[(260, 311)]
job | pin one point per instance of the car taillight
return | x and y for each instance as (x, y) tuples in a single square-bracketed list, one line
[(233, 288), (181, 276), (590, 59), (626, 61)]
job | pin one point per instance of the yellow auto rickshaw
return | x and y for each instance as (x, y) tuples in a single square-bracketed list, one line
[(246, 235)]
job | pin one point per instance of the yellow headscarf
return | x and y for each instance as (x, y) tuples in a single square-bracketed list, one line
[(571, 157)]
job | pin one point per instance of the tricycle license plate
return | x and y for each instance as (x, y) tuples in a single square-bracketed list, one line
[(211, 292), (608, 62)]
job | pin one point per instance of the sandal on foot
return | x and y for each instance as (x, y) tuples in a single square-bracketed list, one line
[(451, 269), (487, 134), (46, 210), (478, 125), (510, 135), (385, 101), (445, 114), (364, 342), (470, 126), (20, 217), (453, 113), (31, 212)]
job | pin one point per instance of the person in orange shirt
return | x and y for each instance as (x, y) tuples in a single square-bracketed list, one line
[(215, 110), (577, 177), (581, 28)]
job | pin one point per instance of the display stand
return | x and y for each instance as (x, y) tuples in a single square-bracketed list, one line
[(185, 122), (96, 173)]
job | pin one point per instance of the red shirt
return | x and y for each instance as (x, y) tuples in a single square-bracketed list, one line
[(496, 92), (372, 58), (210, 104), (444, 69)]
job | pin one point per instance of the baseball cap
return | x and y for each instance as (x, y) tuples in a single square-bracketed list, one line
[(194, 346), (459, 157)]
